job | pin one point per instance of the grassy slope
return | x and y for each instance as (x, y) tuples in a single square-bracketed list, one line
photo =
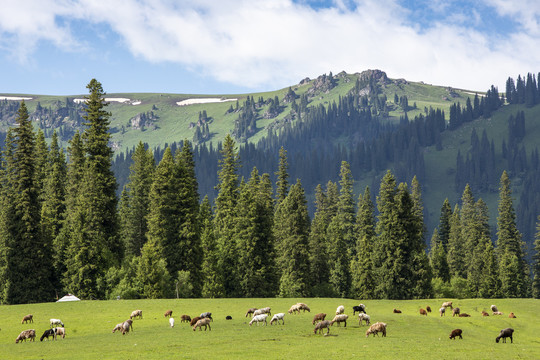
[(89, 325)]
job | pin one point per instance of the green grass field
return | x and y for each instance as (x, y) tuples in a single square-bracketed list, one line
[(89, 327)]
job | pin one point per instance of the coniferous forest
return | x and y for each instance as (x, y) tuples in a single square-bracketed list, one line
[(227, 229)]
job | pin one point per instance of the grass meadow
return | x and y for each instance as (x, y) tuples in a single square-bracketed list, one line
[(89, 327)]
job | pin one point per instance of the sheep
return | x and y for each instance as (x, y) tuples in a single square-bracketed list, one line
[(185, 318), (59, 331), (455, 311), (397, 311), (125, 327), (56, 322), (447, 304), (228, 317), (428, 309), (277, 317), (294, 309), (171, 321), (455, 333), (136, 313), (128, 323), (359, 308), (464, 315), (511, 315), (250, 311), (484, 313), (324, 324), (423, 312), (194, 320), (505, 333), (442, 311), (318, 317), (365, 317), (118, 327), (259, 318), (303, 307), (340, 309), (341, 318), (376, 328), (26, 334), (28, 318), (207, 315), (168, 313), (47, 333), (265, 310), (202, 322), (497, 313), (494, 308)]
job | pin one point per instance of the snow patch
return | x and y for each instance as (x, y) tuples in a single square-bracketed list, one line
[(15, 98), (202, 101), (119, 100)]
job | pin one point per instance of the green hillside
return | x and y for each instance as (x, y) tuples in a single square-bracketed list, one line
[(173, 121)]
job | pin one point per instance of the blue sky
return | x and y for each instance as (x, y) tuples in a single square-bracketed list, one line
[(238, 46)]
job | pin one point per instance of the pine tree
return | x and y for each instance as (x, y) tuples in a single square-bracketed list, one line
[(212, 282), (293, 259), (135, 226), (255, 238), (479, 226), (318, 252), (54, 206), (225, 216), (340, 233), (163, 214), (282, 184), (468, 225), (362, 271), (189, 240), (513, 267), (456, 246), (94, 244), (437, 259), (23, 247), (152, 272), (444, 223)]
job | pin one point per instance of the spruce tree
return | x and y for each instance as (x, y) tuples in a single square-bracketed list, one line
[(362, 271), (513, 267), (135, 226), (341, 236), (318, 252), (282, 184), (23, 246), (456, 246), (439, 264), (468, 225), (212, 281), (444, 223), (225, 216), (293, 259), (189, 239), (255, 238), (152, 272)]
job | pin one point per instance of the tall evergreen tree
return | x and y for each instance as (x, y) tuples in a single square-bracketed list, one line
[(362, 271), (225, 215), (292, 248), (444, 223), (135, 226), (341, 236), (513, 267), (282, 184), (255, 238), (22, 245), (456, 246), (190, 248), (212, 282), (95, 245), (439, 264)]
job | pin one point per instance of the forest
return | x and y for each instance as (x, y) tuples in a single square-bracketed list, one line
[(63, 227)]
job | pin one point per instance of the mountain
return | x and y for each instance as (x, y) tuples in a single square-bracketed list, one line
[(447, 137)]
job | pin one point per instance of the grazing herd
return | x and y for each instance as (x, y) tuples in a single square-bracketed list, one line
[(260, 315)]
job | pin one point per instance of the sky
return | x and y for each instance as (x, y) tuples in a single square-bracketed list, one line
[(55, 47)]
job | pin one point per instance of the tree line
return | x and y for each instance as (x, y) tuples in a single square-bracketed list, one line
[(63, 229)]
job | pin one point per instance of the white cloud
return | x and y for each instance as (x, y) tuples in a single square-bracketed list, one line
[(278, 42)]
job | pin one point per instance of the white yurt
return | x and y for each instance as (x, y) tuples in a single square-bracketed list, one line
[(69, 297)]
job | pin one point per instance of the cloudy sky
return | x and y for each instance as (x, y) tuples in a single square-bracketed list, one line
[(238, 46)]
